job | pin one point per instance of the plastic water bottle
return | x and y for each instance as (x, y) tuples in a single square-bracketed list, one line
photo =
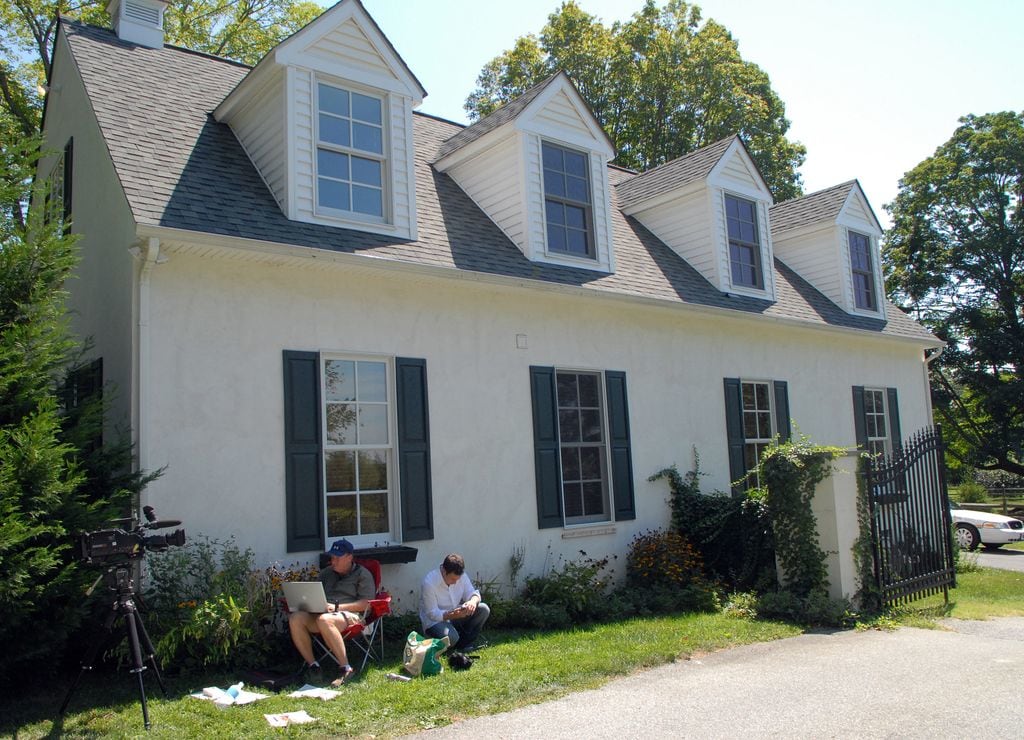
[(233, 690), (397, 677)]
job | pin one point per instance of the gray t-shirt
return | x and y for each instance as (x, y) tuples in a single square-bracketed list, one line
[(355, 585)]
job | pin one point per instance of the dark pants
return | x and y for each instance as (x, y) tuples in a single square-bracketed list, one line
[(462, 633)]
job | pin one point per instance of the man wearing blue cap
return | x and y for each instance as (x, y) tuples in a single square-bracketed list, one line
[(349, 588)]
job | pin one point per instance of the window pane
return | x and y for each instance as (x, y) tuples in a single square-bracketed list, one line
[(367, 200), (590, 463), (367, 138), (331, 164), (750, 426), (333, 100), (750, 456), (365, 108), (567, 391), (749, 392), (761, 391), (373, 470), (372, 380), (590, 419), (569, 425), (576, 242), (556, 238), (570, 463), (341, 471), (341, 516), (373, 424), (575, 217), (333, 194), (366, 171), (577, 189), (764, 425), (593, 498), (340, 379), (575, 163), (552, 157), (589, 395), (373, 510), (555, 212), (341, 423), (554, 183), (572, 494), (334, 130)]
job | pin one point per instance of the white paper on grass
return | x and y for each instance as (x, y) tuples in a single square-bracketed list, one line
[(223, 699), (314, 692), (289, 718)]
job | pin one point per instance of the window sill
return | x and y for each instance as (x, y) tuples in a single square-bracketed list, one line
[(572, 534)]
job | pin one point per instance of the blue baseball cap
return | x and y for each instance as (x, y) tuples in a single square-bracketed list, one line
[(341, 547)]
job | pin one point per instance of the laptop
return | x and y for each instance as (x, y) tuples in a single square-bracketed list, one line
[(305, 596)]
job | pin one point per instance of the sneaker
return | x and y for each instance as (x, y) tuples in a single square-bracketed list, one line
[(345, 673)]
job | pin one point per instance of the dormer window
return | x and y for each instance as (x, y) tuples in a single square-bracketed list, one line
[(863, 272), (744, 245), (350, 152), (567, 201)]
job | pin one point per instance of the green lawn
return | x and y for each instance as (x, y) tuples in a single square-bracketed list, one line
[(518, 669)]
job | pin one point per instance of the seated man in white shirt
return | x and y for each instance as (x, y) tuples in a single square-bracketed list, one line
[(450, 605)]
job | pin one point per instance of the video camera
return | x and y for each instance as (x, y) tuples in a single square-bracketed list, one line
[(115, 545)]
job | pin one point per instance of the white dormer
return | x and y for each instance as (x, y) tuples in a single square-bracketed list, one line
[(139, 21), (832, 239), (537, 167), (326, 117), (711, 207)]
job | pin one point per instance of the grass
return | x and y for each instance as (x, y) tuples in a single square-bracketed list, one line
[(518, 669)]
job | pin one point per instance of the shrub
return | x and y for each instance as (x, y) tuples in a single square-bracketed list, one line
[(972, 493), (577, 589), (813, 609), (660, 558)]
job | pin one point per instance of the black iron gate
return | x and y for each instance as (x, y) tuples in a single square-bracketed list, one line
[(910, 520)]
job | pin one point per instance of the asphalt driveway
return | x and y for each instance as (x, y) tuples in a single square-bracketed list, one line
[(964, 681), (1002, 558)]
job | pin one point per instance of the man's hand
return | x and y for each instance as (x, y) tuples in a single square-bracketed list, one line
[(469, 608)]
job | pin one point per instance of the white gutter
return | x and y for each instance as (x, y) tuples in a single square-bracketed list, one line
[(150, 258)]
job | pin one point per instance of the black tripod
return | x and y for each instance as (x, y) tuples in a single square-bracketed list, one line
[(119, 581)]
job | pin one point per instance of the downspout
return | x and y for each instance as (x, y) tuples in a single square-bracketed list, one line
[(928, 360), (150, 258)]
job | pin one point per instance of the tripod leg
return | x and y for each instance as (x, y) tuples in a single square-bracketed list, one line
[(150, 651), (90, 658), (133, 636)]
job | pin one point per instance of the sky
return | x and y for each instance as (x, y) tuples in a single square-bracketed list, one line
[(871, 88)]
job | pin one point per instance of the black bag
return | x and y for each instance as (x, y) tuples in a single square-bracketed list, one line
[(460, 661), (270, 679)]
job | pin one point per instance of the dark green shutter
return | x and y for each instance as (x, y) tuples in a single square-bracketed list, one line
[(734, 432), (69, 168), (545, 447), (304, 497), (860, 421), (782, 425), (414, 449), (622, 456), (894, 419)]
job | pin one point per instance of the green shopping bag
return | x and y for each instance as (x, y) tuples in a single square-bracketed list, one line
[(420, 657)]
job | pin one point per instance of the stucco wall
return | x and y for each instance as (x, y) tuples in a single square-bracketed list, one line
[(219, 326)]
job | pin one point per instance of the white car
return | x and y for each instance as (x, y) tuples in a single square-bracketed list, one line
[(973, 528)]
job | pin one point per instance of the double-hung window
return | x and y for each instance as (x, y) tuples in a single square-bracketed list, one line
[(875, 424), (358, 446), (744, 243), (758, 425), (583, 447), (568, 208), (756, 412), (863, 272), (350, 160)]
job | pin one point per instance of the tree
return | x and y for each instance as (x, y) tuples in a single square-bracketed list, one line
[(661, 85), (955, 258), (243, 30)]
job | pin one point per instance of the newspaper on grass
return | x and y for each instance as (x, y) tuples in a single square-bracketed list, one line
[(223, 699), (284, 719), (315, 692)]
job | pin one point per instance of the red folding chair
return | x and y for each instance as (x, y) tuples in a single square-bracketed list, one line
[(368, 637)]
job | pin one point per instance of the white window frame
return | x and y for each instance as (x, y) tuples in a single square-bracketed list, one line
[(759, 444), (385, 156), (588, 207), (391, 447), (869, 272), (761, 281), (606, 484), (877, 443)]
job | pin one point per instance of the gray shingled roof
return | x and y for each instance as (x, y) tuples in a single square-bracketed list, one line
[(182, 169), (672, 175), (823, 205), (508, 112)]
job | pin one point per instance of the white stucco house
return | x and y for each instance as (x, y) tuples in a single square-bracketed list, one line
[(326, 315)]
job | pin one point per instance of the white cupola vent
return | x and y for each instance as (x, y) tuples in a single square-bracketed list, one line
[(139, 21)]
